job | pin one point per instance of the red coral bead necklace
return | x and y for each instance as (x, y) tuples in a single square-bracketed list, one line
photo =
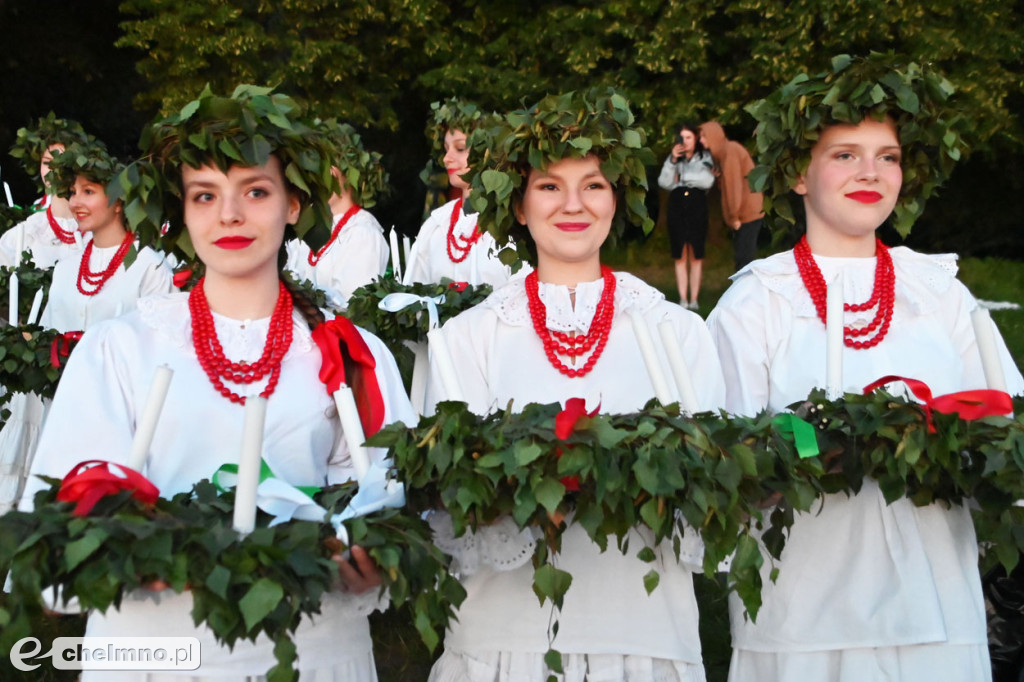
[(558, 343), (89, 283), (211, 354), (882, 294), (314, 258), (65, 236), (459, 247)]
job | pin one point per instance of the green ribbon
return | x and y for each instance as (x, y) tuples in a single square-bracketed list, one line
[(804, 436), (265, 473)]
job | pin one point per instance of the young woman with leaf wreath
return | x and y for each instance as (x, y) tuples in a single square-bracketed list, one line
[(228, 170), (50, 232), (866, 590), (356, 252), (564, 176), (450, 244)]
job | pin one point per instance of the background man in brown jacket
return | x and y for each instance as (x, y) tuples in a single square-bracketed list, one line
[(742, 210)]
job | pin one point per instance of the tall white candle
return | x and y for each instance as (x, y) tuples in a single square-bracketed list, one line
[(834, 338), (406, 248), (249, 464), (445, 366), (37, 303), (352, 426), (396, 259), (995, 378), (643, 338), (420, 369), (7, 191), (12, 302), (687, 396), (146, 425)]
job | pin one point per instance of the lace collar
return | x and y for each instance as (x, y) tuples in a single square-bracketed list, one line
[(510, 304), (168, 315), (920, 279)]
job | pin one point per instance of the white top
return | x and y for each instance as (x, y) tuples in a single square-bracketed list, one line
[(39, 239), (104, 389), (357, 257), (693, 172), (67, 309), (855, 571), (429, 260), (606, 611)]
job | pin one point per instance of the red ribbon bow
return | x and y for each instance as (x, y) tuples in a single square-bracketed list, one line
[(565, 424), (348, 360), (182, 277), (61, 347), (92, 480), (968, 404), (458, 286)]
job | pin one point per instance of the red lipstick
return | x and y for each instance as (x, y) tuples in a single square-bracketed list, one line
[(234, 242), (865, 197), (572, 227)]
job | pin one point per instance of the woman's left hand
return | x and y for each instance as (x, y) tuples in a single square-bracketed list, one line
[(359, 573)]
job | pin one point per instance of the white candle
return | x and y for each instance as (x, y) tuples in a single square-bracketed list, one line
[(146, 425), (688, 397), (37, 303), (834, 319), (20, 244), (249, 464), (420, 369), (445, 366), (406, 248), (12, 302), (7, 191), (396, 261), (995, 378), (352, 426), (650, 356)]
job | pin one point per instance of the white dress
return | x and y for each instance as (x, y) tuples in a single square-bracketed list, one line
[(39, 239), (866, 591), (93, 416), (610, 629), (429, 261), (69, 310), (357, 257)]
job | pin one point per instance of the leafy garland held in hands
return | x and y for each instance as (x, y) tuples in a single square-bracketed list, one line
[(933, 132)]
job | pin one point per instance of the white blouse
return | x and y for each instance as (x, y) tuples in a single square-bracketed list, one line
[(357, 257), (102, 393), (67, 309), (857, 572), (499, 358), (39, 239), (429, 261)]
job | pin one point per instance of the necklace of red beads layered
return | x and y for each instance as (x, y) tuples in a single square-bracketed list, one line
[(211, 355), (65, 236), (559, 343), (89, 282), (882, 295), (314, 258), (459, 247)]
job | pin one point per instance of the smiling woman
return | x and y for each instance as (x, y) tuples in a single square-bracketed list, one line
[(565, 174)]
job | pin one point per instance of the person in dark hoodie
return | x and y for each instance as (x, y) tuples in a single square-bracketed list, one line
[(742, 209)]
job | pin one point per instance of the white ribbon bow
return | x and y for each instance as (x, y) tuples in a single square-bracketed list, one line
[(392, 303)]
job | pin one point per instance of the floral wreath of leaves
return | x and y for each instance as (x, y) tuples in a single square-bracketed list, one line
[(361, 169), (454, 114), (31, 143), (245, 129), (89, 159), (242, 587), (932, 130), (571, 125), (728, 477)]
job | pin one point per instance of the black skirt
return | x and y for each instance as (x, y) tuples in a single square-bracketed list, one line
[(687, 220)]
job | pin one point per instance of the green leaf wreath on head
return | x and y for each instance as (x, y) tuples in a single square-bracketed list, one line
[(360, 169), (244, 129), (31, 143), (455, 114), (917, 99), (86, 158), (568, 126)]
